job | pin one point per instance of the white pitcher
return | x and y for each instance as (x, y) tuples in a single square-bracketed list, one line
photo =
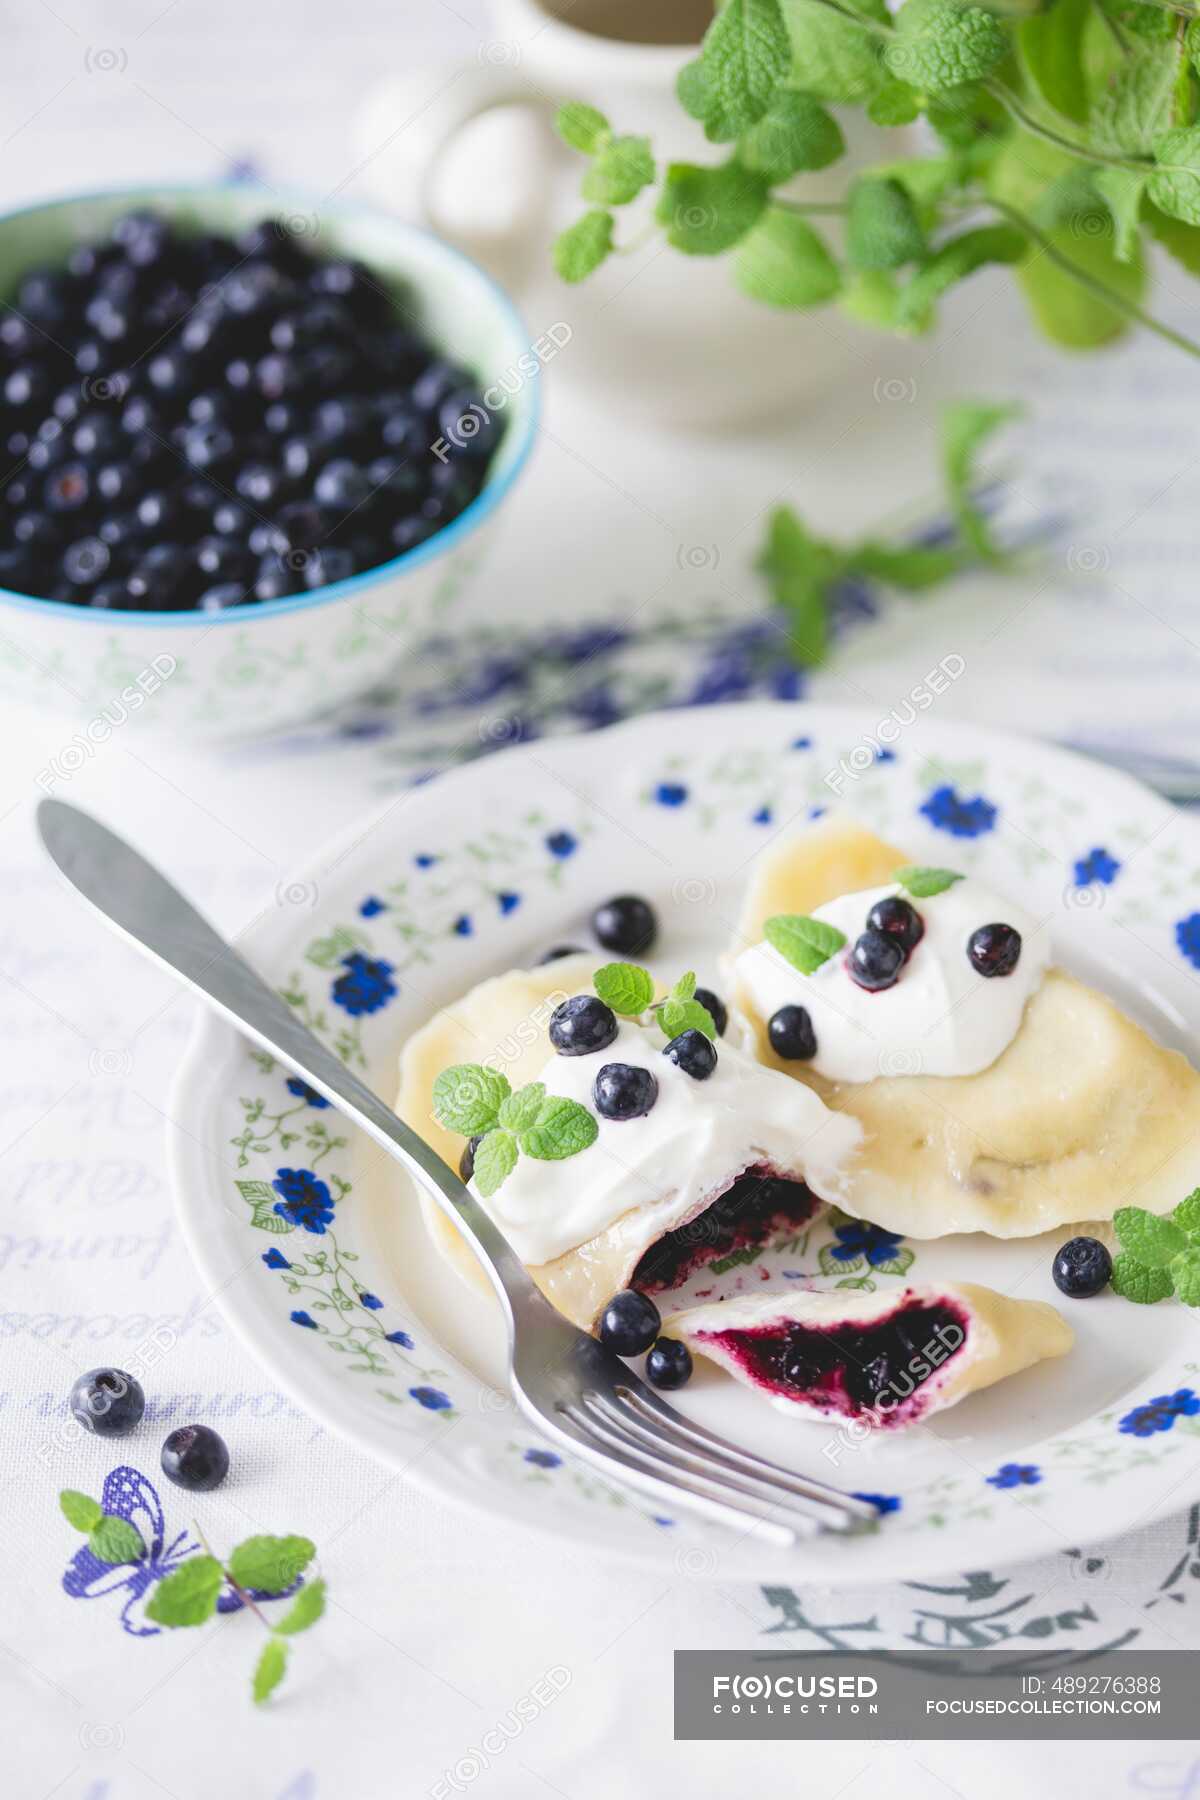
[(662, 335)]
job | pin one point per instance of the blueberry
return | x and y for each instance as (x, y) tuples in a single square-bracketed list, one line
[(791, 1035), (259, 483), (466, 1162), (896, 918), (341, 484), (96, 434), (1082, 1267), (629, 1323), (626, 924), (624, 1091), (875, 961), (27, 386), (108, 1402), (715, 1007), (328, 565), (994, 949), (692, 1052), (195, 1457), (275, 580), (222, 558), (582, 1025), (86, 562), (109, 595), (68, 488), (669, 1363), (207, 446), (558, 951), (117, 481)]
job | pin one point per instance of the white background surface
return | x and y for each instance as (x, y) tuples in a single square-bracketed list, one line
[(438, 1627)]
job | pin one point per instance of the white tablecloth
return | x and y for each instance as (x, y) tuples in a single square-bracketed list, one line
[(436, 1630)]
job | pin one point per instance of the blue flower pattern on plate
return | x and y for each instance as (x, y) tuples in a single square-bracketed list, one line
[(1187, 936), (1011, 1475), (883, 1503), (858, 1238), (365, 986), (431, 1397), (946, 809), (1160, 1413), (562, 844), (308, 1094), (670, 793), (543, 1459), (1097, 865), (304, 1199)]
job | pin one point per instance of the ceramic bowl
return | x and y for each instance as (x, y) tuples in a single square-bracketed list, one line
[(257, 668)]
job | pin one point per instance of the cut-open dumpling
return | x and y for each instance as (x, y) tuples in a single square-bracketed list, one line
[(1079, 1113), (716, 1164), (884, 1359)]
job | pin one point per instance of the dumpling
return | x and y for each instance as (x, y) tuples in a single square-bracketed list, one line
[(1069, 1110), (883, 1359), (733, 1159)]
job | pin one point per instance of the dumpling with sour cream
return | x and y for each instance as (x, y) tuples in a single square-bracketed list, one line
[(1063, 1108), (716, 1164)]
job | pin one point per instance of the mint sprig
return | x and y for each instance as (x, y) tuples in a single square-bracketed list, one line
[(258, 1567), (804, 942), (619, 168), (628, 989), (1160, 1254), (681, 1011), (923, 883), (480, 1103)]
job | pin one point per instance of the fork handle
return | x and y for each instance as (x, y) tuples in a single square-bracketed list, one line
[(148, 910)]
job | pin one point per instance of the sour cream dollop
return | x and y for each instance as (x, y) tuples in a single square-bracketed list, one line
[(939, 1018), (695, 1140)]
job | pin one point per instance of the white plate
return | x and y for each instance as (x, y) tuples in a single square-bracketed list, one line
[(481, 871)]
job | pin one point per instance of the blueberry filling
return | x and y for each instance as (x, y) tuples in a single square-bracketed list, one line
[(850, 1369), (898, 919), (756, 1209)]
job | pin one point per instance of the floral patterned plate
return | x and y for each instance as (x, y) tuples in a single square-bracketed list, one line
[(312, 1242)]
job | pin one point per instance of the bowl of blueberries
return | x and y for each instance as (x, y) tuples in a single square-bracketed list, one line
[(250, 447)]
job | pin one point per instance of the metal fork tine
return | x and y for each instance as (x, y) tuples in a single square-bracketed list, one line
[(675, 1483), (815, 1508), (699, 1438)]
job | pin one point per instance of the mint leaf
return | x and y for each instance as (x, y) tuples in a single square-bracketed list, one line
[(563, 1128), (495, 1160), (521, 1109), (895, 104), (745, 55), (795, 133), (706, 211), (1152, 1240), (115, 1540), (80, 1510), (1175, 185), (582, 126), (806, 943), (952, 263), (685, 987), (833, 56), (882, 228), (582, 247), (942, 45), (189, 1596), (917, 567), (620, 172), (305, 1609), (1121, 191), (1185, 1274), (1179, 240), (1069, 312), (625, 987), (1134, 110), (800, 570), (270, 1564), (922, 884), (1134, 1281), (270, 1669), (966, 427), (686, 1015), (1187, 1214), (1050, 51), (783, 262), (466, 1097)]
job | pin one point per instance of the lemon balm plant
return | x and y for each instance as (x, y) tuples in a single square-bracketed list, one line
[(1060, 139)]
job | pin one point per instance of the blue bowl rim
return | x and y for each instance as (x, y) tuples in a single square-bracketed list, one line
[(484, 503)]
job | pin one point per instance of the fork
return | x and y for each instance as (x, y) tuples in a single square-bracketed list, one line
[(577, 1393)]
